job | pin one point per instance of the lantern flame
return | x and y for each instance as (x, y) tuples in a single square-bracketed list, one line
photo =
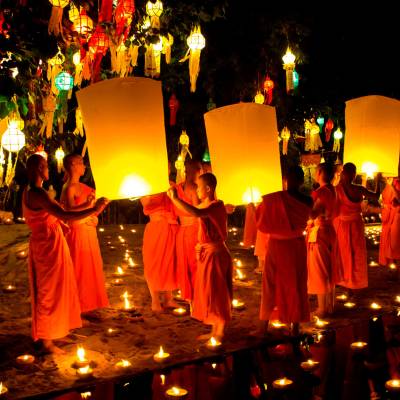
[(252, 195), (80, 353), (134, 186), (162, 377), (120, 271), (369, 169)]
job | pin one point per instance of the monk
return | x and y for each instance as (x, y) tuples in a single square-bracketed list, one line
[(250, 226), (283, 215), (54, 295), (351, 251), (321, 240), (159, 251), (82, 237), (186, 238), (213, 285)]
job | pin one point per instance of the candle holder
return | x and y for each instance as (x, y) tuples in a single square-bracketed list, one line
[(81, 361), (84, 372), (9, 289), (117, 282), (176, 392), (393, 385), (282, 384), (349, 304), (123, 365), (309, 365), (3, 389), (161, 356), (213, 344), (180, 311), (25, 359), (359, 346)]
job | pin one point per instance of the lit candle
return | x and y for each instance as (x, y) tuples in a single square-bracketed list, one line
[(101, 229), (162, 377), (320, 323), (309, 365), (133, 230), (341, 297), (373, 264), (349, 304), (81, 360), (277, 324), (393, 385), (8, 221), (127, 305), (131, 262), (359, 345), (25, 359), (3, 389), (392, 266), (179, 311), (121, 227), (239, 264), (123, 364), (161, 355), (84, 372), (117, 282), (213, 343), (375, 306), (241, 243), (176, 392), (119, 272), (214, 365), (237, 304), (22, 254), (112, 331), (112, 247), (397, 299), (283, 383), (240, 276), (9, 289), (125, 295)]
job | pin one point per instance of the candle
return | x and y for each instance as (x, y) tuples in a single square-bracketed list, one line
[(237, 304), (3, 389), (392, 266), (349, 304), (320, 323), (162, 377), (277, 324), (214, 365), (119, 272), (8, 221), (239, 264), (179, 311), (341, 297), (101, 229), (161, 355), (176, 392), (127, 305), (125, 295), (393, 385), (375, 306), (121, 227), (131, 262), (241, 243), (25, 359), (81, 360), (178, 295), (117, 282), (309, 365), (112, 331), (213, 343), (283, 383), (373, 264), (133, 230), (22, 254), (240, 276), (359, 345), (9, 289), (84, 372), (123, 364), (112, 247)]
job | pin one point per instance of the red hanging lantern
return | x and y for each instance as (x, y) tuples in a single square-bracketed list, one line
[(99, 41), (173, 104), (328, 129), (105, 14), (268, 89), (123, 16), (83, 24)]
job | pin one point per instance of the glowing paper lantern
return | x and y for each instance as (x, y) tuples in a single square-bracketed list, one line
[(259, 98), (64, 81), (59, 155), (173, 104), (13, 139), (251, 167), (268, 89), (373, 133), (154, 11), (320, 122), (369, 169), (328, 129), (133, 162), (288, 65), (83, 24), (152, 60), (206, 156), (313, 140), (337, 135), (285, 135), (55, 21), (99, 41), (123, 16)]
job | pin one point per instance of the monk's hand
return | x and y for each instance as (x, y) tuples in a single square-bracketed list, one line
[(230, 208), (172, 193), (90, 200), (101, 204)]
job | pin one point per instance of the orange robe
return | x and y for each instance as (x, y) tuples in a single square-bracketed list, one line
[(389, 248), (250, 226), (159, 255), (284, 218), (54, 295), (351, 269), (186, 240), (86, 256), (321, 244), (213, 286), (260, 248)]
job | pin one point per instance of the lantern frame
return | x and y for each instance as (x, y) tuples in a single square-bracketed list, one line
[(154, 9), (13, 139)]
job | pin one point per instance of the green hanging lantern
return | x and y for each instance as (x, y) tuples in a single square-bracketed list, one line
[(320, 122), (295, 79), (64, 81), (206, 156)]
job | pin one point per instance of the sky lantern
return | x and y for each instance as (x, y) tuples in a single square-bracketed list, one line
[(55, 21), (196, 42), (373, 134), (337, 136), (133, 161), (252, 133), (259, 98), (328, 129), (154, 11), (288, 65)]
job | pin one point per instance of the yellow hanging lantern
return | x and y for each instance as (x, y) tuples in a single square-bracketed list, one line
[(78, 123), (55, 21), (83, 24), (152, 60), (337, 136), (285, 135), (154, 11), (289, 65), (259, 98), (167, 42), (59, 155), (73, 13), (49, 107), (180, 162), (196, 42)]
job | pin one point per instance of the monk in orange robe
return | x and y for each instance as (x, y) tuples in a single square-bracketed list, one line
[(250, 226), (213, 285), (321, 240), (82, 237), (159, 251), (186, 238), (351, 269), (54, 295), (283, 215)]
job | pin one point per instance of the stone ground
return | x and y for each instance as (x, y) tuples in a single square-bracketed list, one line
[(141, 332)]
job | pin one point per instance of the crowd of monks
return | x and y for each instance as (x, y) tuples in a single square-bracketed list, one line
[(184, 246)]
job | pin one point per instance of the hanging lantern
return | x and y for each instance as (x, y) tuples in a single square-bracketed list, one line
[(41, 152), (313, 140), (99, 41), (196, 42), (152, 59), (154, 11), (288, 65), (167, 42), (180, 162), (78, 123), (123, 16), (320, 122), (295, 79), (13, 139), (54, 67), (2, 162), (83, 24), (337, 136), (285, 136), (73, 13), (59, 155), (268, 89), (206, 156), (259, 98), (49, 107), (173, 104), (55, 21), (64, 81), (328, 129)]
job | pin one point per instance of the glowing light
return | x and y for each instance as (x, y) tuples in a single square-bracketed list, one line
[(289, 58), (176, 392), (162, 377), (282, 383), (86, 395), (251, 195), (81, 357), (277, 324), (64, 81), (213, 343), (179, 311), (358, 345), (259, 98), (154, 9), (13, 139), (196, 41), (161, 355), (134, 186), (369, 169), (76, 58), (349, 304), (123, 364), (375, 306), (320, 323)]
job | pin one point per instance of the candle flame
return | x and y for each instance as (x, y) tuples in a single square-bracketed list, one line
[(214, 365), (101, 229), (133, 230), (86, 395), (127, 304), (393, 266), (131, 262), (125, 363), (239, 273), (121, 227), (1, 387), (110, 330), (395, 382), (120, 271), (277, 324), (375, 306), (161, 352), (175, 390), (162, 377), (239, 263), (349, 304), (81, 354), (125, 295), (235, 302), (84, 370), (310, 362), (398, 299), (342, 297)]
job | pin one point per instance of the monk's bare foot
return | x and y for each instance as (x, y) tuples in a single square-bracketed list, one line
[(206, 336), (171, 304), (50, 347)]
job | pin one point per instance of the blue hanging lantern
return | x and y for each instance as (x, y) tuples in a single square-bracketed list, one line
[(320, 122), (64, 81), (295, 79)]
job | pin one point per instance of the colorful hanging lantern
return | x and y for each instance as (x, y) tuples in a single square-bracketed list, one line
[(49, 107), (78, 123), (73, 13), (196, 42), (59, 155), (13, 139), (313, 140), (167, 42), (154, 11), (64, 81), (268, 89), (288, 65), (173, 104), (152, 59), (55, 21), (54, 67), (285, 136), (320, 122), (337, 136), (328, 129), (259, 98), (206, 156), (99, 41), (83, 24), (180, 162), (123, 16), (295, 79)]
